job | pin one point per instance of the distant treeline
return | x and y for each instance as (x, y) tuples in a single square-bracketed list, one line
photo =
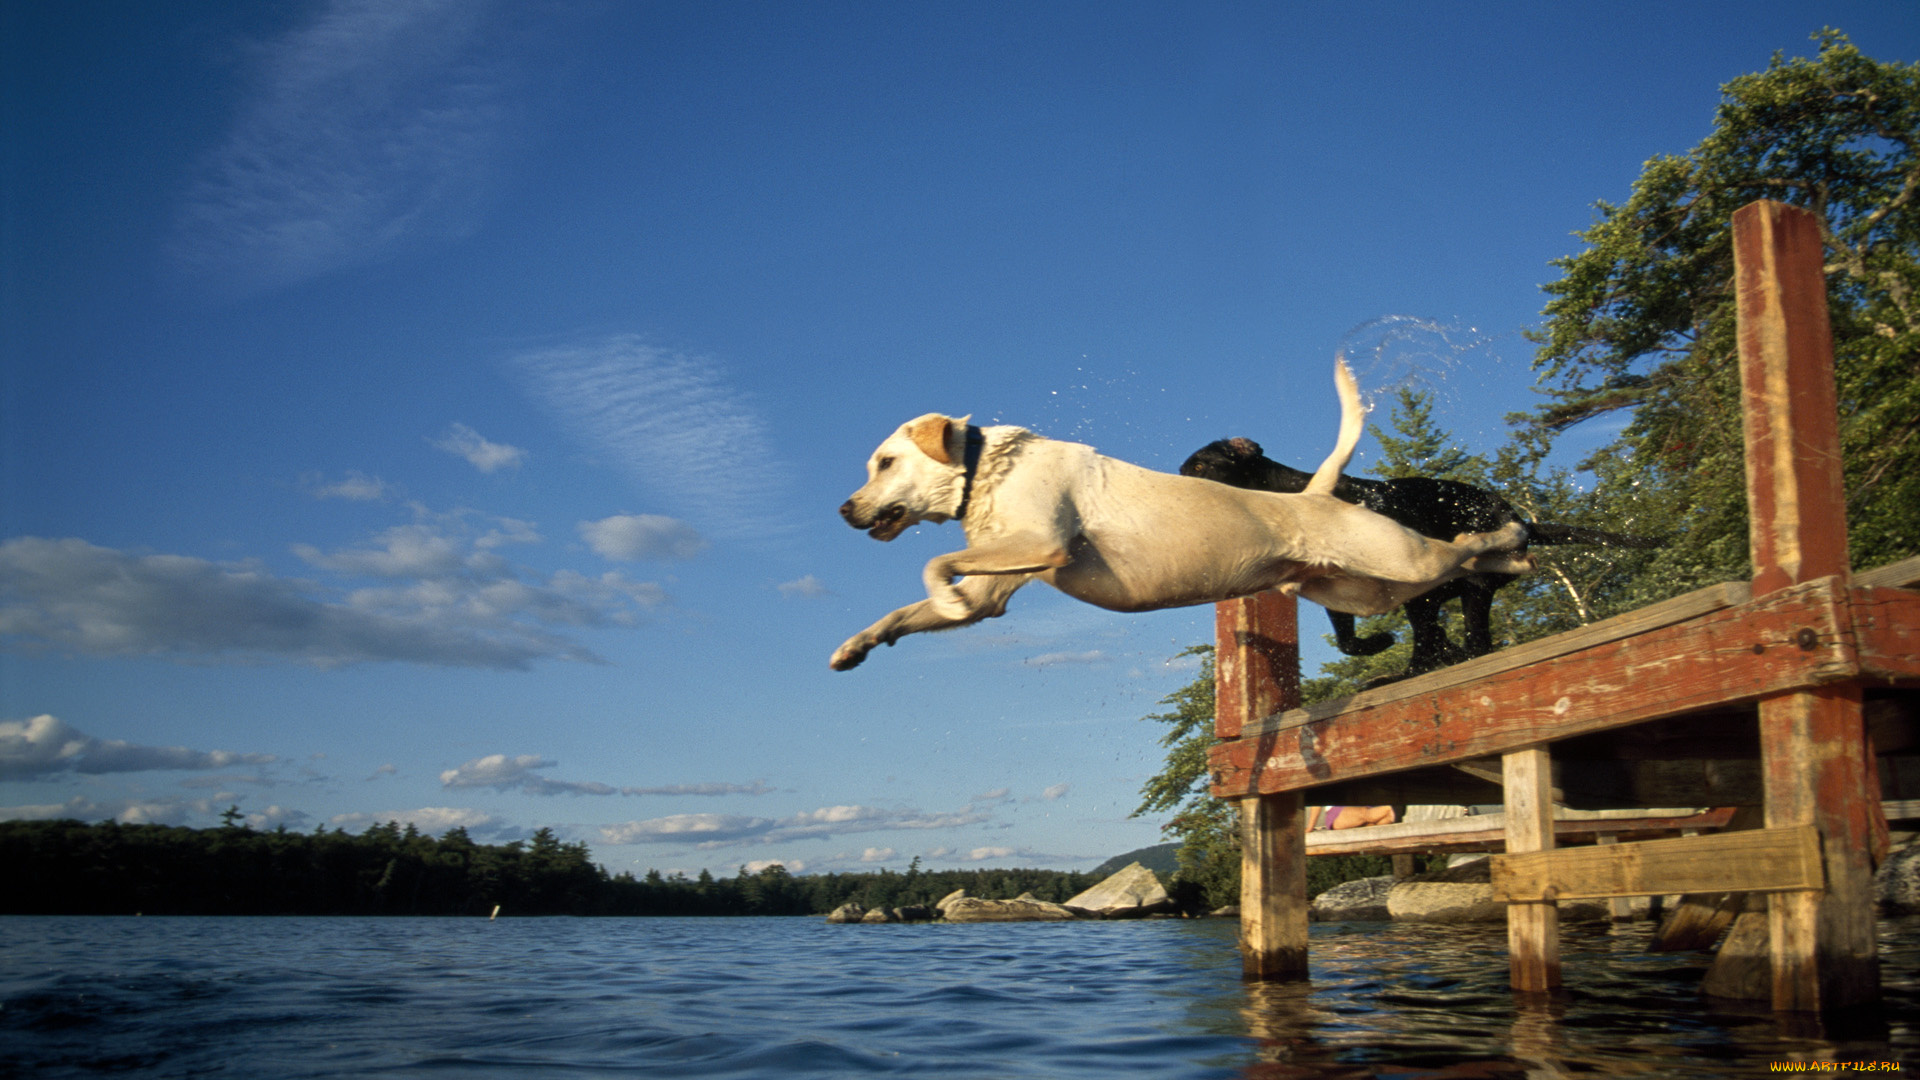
[(73, 868)]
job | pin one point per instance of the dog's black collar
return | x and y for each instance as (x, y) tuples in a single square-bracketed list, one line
[(976, 441)]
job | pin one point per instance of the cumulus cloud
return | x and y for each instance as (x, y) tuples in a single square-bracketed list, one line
[(673, 423), (808, 586), (630, 537), (982, 854), (445, 597), (792, 866), (462, 441), (723, 830), (364, 131), (45, 745), (877, 854), (431, 819), (521, 772)]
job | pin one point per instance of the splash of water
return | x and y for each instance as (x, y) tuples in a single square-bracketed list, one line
[(1465, 371)]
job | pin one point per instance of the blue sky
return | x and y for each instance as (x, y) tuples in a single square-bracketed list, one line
[(437, 411)]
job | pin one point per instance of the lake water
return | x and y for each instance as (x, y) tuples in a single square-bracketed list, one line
[(765, 998)]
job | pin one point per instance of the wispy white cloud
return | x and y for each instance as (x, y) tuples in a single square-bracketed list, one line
[(521, 772), (362, 131), (1056, 791), (724, 830), (1056, 659), (672, 422), (354, 487), (482, 453), (808, 586), (45, 745), (631, 537)]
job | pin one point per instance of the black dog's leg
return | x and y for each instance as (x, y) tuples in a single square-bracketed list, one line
[(1476, 604), (1432, 649), (1350, 645)]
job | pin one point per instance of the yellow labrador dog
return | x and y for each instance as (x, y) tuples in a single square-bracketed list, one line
[(1129, 539)]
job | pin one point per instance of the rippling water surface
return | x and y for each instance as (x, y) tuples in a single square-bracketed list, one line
[(765, 998)]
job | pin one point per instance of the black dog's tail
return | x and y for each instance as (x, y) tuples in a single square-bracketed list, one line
[(1542, 532)]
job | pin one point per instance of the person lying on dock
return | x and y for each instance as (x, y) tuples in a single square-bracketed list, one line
[(1348, 817)]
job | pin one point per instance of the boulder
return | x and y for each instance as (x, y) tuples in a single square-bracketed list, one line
[(1458, 894), (1130, 893), (1363, 900), (1896, 885), (957, 894), (879, 915), (1022, 909), (846, 913), (914, 913), (1464, 894)]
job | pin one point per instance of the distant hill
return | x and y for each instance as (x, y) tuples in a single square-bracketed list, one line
[(1160, 858)]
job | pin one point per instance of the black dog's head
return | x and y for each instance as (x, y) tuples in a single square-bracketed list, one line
[(1242, 464)]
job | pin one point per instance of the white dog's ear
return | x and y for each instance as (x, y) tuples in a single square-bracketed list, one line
[(929, 433)]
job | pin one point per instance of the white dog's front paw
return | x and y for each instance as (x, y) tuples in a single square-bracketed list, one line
[(848, 656)]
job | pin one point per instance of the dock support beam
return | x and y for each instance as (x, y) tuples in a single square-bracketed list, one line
[(1814, 755), (1533, 926), (1257, 673)]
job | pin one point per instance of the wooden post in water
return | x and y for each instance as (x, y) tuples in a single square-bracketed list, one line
[(1533, 926), (1257, 673), (1814, 755)]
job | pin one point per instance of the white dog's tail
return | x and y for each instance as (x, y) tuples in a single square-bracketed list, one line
[(1353, 421)]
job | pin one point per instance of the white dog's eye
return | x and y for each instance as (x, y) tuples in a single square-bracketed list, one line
[(883, 464)]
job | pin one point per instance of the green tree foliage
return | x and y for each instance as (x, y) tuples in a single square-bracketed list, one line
[(1644, 318), (68, 867)]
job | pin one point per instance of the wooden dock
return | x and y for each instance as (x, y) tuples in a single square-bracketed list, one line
[(1798, 692)]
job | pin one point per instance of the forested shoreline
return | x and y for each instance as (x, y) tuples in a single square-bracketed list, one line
[(70, 867)]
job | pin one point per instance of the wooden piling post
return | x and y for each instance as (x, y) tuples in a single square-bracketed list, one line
[(1533, 926), (1257, 673), (1813, 742)]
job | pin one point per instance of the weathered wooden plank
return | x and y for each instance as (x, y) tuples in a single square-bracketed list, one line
[(1533, 923), (1814, 757), (1904, 574), (1813, 741), (1794, 638), (1652, 617), (1273, 887), (1257, 670), (1886, 628), (1256, 659), (1795, 492), (1488, 832), (1757, 860), (1698, 920)]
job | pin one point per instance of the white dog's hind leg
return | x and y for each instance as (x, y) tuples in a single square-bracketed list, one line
[(986, 598), (1021, 553)]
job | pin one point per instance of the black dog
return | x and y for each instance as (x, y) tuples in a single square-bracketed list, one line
[(1441, 509)]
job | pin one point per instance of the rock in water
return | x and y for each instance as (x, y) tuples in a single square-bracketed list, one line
[(1457, 894), (1130, 893), (1897, 884), (847, 913), (1362, 900), (973, 909)]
